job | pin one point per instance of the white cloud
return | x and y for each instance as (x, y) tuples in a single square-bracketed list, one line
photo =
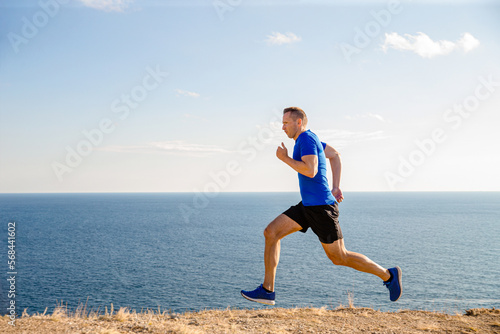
[(181, 146), (180, 92), (468, 42), (277, 38), (177, 147), (343, 138), (425, 47), (107, 5)]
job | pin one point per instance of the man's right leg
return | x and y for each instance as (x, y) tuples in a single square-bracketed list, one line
[(274, 232)]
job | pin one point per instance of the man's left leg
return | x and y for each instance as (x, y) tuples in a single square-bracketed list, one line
[(340, 256)]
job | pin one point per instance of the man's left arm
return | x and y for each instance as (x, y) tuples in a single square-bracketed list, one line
[(336, 164)]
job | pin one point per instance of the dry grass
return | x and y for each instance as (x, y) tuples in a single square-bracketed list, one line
[(272, 320)]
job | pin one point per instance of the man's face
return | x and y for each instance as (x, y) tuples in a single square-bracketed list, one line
[(290, 126)]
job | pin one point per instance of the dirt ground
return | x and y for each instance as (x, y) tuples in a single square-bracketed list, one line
[(273, 320)]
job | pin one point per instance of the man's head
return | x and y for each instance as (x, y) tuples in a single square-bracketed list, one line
[(294, 121)]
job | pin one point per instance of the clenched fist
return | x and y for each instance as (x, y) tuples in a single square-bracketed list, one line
[(282, 152)]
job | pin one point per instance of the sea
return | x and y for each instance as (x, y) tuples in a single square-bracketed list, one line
[(181, 252)]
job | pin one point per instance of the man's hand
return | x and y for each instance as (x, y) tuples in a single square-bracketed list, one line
[(337, 193), (282, 152)]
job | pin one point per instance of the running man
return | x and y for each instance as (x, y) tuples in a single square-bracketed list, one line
[(317, 210)]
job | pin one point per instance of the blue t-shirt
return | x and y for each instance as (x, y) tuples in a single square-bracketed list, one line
[(314, 191)]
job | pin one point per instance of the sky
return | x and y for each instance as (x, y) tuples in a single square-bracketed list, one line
[(187, 96)]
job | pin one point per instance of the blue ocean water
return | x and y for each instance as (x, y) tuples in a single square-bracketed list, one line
[(183, 252)]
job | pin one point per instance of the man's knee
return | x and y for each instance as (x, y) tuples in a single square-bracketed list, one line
[(337, 257), (280, 227), (338, 261), (269, 233), (272, 230)]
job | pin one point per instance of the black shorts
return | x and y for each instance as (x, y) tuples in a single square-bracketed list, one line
[(322, 219)]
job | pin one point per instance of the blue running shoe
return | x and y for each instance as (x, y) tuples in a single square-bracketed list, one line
[(259, 295), (395, 285)]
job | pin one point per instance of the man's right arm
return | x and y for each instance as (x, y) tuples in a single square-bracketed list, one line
[(308, 166), (336, 164)]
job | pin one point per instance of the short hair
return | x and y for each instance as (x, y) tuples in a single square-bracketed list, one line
[(296, 112)]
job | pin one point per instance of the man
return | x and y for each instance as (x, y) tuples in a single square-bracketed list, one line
[(317, 210)]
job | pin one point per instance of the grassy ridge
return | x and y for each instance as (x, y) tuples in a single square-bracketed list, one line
[(273, 320)]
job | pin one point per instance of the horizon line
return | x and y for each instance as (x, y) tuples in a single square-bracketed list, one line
[(247, 192)]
